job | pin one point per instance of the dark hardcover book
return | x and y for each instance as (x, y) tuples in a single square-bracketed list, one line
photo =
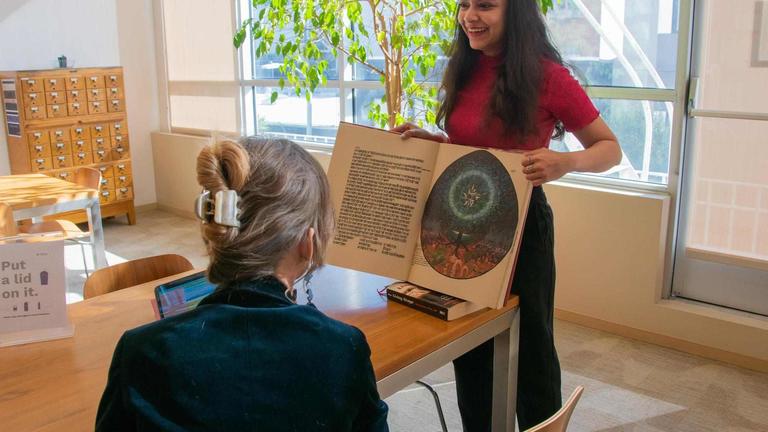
[(443, 306)]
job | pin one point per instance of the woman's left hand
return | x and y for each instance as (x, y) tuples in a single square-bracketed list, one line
[(544, 165)]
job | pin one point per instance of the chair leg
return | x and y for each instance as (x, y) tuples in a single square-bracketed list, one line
[(437, 404), (85, 262)]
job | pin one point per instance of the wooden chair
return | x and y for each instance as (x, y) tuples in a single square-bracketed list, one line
[(559, 421), (134, 272), (8, 226), (86, 177)]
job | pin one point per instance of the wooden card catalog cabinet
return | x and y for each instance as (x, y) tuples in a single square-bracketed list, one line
[(61, 119)]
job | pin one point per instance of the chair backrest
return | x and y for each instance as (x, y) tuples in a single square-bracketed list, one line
[(559, 421), (88, 177), (134, 272), (8, 226)]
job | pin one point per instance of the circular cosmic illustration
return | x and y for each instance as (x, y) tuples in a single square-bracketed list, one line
[(470, 218)]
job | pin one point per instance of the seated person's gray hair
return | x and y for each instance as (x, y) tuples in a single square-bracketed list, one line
[(283, 191)]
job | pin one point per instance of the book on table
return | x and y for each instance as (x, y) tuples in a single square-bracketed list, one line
[(445, 217)]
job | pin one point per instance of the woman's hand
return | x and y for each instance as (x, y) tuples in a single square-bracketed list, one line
[(408, 130), (544, 165), (601, 152)]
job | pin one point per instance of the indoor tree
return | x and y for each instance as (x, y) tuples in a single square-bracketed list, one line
[(410, 36)]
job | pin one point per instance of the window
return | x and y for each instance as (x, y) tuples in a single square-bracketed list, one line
[(203, 92), (625, 52)]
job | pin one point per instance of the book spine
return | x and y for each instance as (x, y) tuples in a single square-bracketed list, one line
[(415, 303)]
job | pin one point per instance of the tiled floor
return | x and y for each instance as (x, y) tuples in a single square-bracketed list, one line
[(630, 385)]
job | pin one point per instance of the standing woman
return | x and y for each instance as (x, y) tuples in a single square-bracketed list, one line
[(505, 87)]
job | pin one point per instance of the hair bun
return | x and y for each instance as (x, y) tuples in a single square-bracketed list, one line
[(223, 165)]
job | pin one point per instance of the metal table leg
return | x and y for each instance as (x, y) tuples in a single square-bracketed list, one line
[(505, 356)]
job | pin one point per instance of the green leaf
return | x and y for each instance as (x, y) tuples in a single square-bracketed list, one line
[(273, 97), (239, 36)]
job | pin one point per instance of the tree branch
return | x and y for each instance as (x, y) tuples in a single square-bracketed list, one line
[(342, 49), (381, 25), (420, 10)]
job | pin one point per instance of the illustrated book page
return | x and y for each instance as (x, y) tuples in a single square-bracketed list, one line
[(472, 223)]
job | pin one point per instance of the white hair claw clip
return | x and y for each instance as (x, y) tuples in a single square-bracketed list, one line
[(223, 207)]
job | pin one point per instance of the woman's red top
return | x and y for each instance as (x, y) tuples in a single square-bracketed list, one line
[(561, 98)]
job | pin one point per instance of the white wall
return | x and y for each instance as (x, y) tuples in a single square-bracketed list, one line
[(91, 33), (136, 39), (610, 251)]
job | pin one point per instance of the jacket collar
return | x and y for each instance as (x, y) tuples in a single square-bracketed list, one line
[(263, 292)]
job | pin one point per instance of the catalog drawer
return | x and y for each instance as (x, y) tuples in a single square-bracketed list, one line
[(95, 94), (59, 134), (34, 99), (114, 93), (94, 81), (62, 161), (119, 140), (67, 175), (123, 181), (100, 156), (54, 84), (96, 107), (116, 105), (114, 80), (99, 130), (124, 193), (121, 152), (79, 96), (41, 150), (106, 196), (56, 97), (77, 108), (80, 132), (41, 164), (100, 143), (118, 128), (106, 170), (75, 83), (107, 183), (81, 145), (37, 137), (32, 85), (123, 168), (82, 158), (60, 148), (57, 110), (35, 112)]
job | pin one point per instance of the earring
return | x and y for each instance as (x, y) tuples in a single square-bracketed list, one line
[(307, 289)]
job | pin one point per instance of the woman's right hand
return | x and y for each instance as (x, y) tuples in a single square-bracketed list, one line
[(408, 130)]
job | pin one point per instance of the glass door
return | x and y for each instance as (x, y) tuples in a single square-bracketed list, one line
[(721, 255)]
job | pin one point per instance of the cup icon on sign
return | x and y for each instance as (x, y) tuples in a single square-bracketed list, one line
[(43, 277)]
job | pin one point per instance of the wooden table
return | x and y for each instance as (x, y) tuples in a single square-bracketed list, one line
[(56, 385), (32, 196)]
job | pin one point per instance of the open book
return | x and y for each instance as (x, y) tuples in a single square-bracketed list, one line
[(441, 216)]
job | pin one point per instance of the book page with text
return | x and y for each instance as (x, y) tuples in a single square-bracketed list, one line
[(379, 183), (472, 224)]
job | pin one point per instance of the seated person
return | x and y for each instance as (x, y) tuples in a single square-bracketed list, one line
[(248, 358)]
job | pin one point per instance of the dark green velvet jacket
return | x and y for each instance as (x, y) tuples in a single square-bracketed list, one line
[(246, 359)]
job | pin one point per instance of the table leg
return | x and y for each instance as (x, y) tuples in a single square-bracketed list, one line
[(93, 211), (505, 354)]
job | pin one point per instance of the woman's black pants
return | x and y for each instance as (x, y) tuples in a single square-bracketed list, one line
[(538, 377)]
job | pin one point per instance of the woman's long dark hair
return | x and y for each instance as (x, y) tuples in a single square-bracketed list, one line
[(515, 94)]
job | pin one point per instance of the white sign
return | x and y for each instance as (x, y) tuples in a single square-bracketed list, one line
[(33, 304)]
